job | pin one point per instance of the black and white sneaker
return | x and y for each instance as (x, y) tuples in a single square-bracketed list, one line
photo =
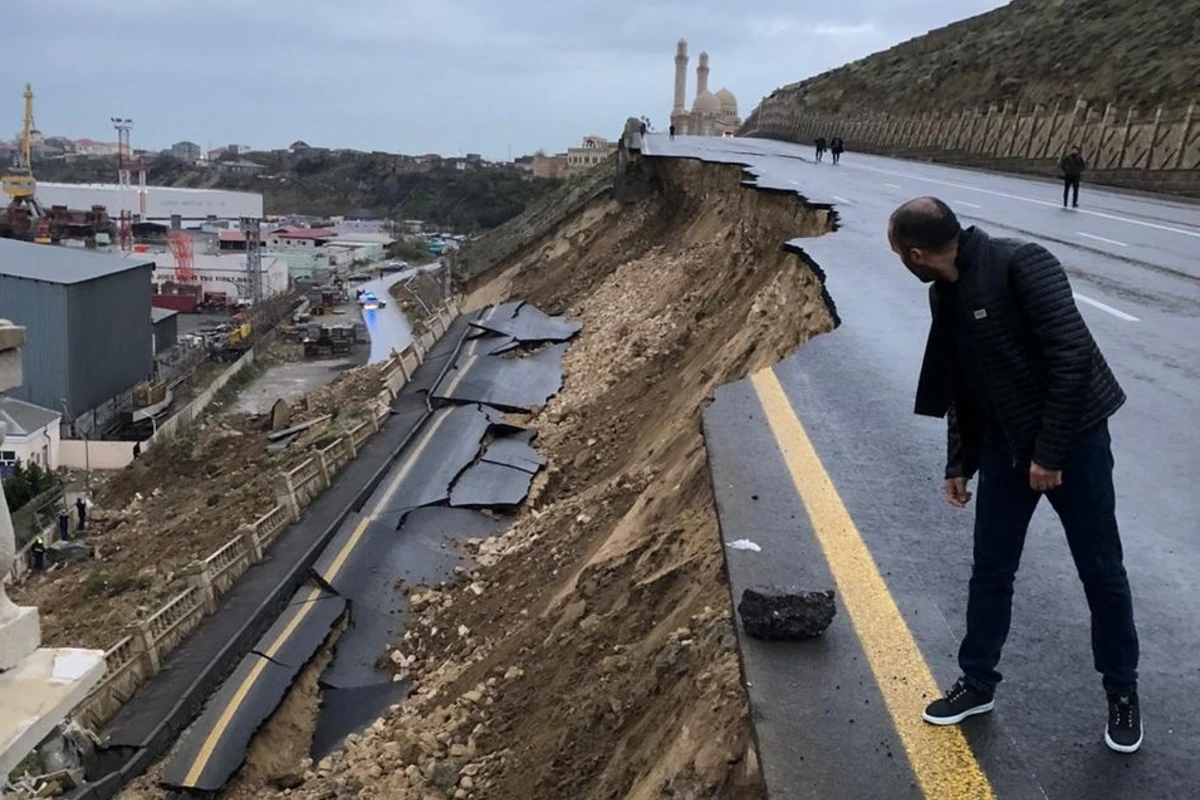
[(962, 701), (1124, 732)]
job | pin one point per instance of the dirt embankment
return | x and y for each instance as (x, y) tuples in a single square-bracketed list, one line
[(178, 503), (591, 653)]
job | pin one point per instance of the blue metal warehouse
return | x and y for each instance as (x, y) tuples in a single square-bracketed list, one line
[(87, 315)]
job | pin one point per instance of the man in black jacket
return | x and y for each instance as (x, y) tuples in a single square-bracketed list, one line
[(1072, 166), (1027, 394)]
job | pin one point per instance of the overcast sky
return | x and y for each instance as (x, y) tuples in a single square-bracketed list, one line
[(416, 76)]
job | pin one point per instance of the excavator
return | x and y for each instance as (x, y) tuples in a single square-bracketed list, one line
[(26, 218)]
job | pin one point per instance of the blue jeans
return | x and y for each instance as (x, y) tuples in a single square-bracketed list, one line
[(1086, 505)]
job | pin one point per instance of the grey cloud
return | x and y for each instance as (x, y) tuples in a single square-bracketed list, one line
[(418, 75)]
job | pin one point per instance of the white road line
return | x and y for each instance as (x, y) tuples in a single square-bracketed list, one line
[(1102, 239), (965, 203), (1105, 307), (841, 199), (892, 185), (1101, 214)]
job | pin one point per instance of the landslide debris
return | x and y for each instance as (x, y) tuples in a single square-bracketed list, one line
[(176, 504), (590, 653), (1038, 51)]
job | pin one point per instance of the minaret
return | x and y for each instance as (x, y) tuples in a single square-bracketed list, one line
[(702, 75), (681, 60)]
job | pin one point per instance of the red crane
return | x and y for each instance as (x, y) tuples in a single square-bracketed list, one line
[(181, 248)]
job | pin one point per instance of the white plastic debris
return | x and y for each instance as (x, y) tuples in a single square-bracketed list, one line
[(744, 544)]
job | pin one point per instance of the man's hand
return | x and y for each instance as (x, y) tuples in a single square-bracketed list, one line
[(956, 492), (1042, 479)]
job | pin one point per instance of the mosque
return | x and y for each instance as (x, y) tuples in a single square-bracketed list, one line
[(711, 114)]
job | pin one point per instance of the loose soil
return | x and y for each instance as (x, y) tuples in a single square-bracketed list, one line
[(590, 653), (178, 503)]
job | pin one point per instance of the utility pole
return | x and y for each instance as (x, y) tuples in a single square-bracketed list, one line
[(124, 182)]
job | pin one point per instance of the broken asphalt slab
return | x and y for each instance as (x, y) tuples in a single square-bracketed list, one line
[(424, 552), (214, 748), (511, 384), (529, 324), (487, 485)]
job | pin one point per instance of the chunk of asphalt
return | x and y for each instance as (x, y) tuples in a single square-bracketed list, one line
[(531, 324), (786, 614)]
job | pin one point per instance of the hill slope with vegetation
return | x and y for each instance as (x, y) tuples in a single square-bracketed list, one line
[(339, 183), (1035, 51)]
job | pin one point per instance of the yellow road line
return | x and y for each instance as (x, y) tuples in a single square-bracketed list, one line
[(462, 373), (942, 760), (214, 736), (340, 559)]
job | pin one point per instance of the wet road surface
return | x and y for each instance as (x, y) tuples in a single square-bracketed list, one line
[(1133, 264)]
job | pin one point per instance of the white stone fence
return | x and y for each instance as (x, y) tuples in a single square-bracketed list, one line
[(141, 652)]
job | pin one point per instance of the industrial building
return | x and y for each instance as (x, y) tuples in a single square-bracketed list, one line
[(154, 203), (165, 323), (222, 274), (88, 327)]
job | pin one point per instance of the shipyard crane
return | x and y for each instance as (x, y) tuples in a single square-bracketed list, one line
[(19, 183), (24, 216)]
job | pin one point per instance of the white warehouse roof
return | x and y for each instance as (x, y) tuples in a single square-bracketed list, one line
[(161, 202)]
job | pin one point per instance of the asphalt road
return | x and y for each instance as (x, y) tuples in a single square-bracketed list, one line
[(1133, 265)]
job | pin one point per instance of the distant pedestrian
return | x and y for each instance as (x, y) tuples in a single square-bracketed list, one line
[(37, 554), (671, 132), (81, 508), (821, 147), (642, 129), (1011, 365), (64, 526), (137, 450), (836, 147), (1072, 166)]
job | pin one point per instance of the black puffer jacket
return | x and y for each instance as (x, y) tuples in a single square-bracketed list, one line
[(1042, 371)]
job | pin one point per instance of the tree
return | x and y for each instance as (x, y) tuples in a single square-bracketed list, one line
[(24, 483)]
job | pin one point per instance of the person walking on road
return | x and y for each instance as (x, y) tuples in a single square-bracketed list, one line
[(1072, 166), (671, 132), (1027, 395), (820, 142), (836, 147)]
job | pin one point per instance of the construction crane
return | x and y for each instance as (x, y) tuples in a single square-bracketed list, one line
[(19, 183), (24, 214)]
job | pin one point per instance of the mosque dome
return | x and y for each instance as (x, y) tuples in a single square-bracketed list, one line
[(706, 102), (726, 99)]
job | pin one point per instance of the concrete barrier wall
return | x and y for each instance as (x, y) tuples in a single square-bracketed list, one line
[(175, 424), (139, 655), (1157, 150), (81, 454)]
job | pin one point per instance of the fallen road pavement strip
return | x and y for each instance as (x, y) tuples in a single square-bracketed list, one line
[(464, 455)]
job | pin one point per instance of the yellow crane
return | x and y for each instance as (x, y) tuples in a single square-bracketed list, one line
[(18, 182)]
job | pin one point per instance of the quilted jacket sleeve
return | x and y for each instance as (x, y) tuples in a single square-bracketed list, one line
[(1044, 297), (955, 463)]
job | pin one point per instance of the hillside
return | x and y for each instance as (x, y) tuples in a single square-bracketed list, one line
[(1141, 54), (338, 183)]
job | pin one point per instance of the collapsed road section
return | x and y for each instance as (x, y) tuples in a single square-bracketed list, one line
[(465, 463)]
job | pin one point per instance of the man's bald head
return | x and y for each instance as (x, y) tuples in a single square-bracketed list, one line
[(924, 233), (924, 223)]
